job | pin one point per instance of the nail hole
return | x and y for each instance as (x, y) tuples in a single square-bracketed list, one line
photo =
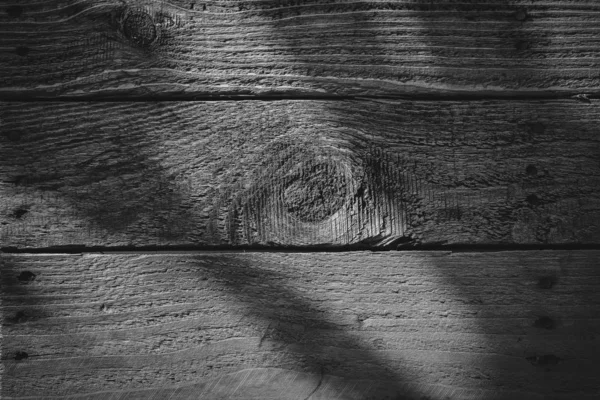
[(17, 180), (20, 316), (522, 45), (13, 136), (22, 51), (360, 318), (26, 276), (546, 282), (536, 127), (546, 359), (533, 200), (521, 14), (14, 11), (21, 355), (531, 170), (544, 322), (19, 212)]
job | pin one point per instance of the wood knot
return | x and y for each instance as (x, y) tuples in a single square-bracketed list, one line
[(139, 27), (26, 277), (298, 186), (21, 355), (314, 192)]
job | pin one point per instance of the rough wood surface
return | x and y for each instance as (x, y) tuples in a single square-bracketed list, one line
[(426, 325), (299, 173), (254, 47)]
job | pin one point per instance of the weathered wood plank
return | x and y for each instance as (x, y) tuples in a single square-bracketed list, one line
[(190, 47), (299, 173), (359, 325)]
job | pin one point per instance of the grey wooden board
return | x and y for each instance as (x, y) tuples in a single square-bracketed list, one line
[(359, 325), (158, 48), (299, 173)]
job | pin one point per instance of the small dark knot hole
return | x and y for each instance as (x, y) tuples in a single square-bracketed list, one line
[(20, 317), (19, 212), (533, 200), (536, 128), (17, 180), (14, 11), (521, 14), (21, 355), (26, 276), (546, 359), (13, 136), (521, 45), (546, 282), (22, 51), (531, 170), (544, 322)]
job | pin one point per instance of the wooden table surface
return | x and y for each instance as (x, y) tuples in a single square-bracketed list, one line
[(286, 199)]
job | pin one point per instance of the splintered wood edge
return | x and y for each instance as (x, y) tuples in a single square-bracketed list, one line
[(158, 49), (284, 325)]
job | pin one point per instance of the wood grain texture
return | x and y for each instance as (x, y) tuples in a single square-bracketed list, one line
[(410, 325), (299, 173), (189, 47)]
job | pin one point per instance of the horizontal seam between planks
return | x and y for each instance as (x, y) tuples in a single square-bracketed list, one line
[(458, 248), (450, 96)]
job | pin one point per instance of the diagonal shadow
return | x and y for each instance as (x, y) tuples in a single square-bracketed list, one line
[(109, 177), (46, 167), (44, 170), (316, 343), (115, 211), (513, 57)]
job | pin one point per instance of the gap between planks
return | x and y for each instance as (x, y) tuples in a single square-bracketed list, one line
[(467, 248), (576, 95)]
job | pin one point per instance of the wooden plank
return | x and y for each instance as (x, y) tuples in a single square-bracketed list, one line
[(299, 173), (436, 325), (291, 47)]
